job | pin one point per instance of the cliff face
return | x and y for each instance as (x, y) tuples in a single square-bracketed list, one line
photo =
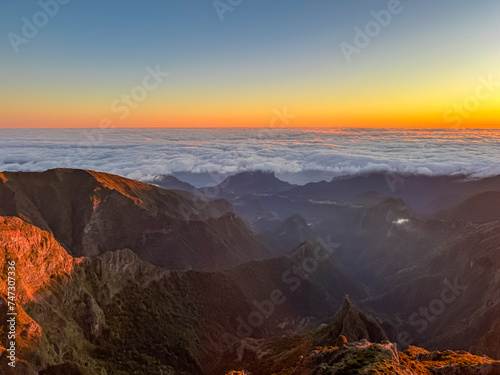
[(32, 263), (39, 258)]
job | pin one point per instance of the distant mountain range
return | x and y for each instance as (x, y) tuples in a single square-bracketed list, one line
[(120, 277)]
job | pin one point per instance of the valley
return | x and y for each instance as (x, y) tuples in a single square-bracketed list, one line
[(116, 276)]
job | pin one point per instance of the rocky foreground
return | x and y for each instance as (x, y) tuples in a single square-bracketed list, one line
[(364, 357), (352, 355), (383, 358)]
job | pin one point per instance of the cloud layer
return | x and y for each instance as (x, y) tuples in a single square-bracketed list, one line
[(144, 154)]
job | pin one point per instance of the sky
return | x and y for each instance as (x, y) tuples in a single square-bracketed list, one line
[(242, 63)]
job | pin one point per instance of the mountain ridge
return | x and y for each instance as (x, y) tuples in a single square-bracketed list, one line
[(92, 212)]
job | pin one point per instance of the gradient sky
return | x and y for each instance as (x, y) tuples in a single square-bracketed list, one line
[(265, 58)]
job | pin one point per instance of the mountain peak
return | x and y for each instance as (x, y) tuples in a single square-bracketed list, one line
[(293, 231), (173, 183), (296, 219), (347, 304), (253, 182), (353, 324)]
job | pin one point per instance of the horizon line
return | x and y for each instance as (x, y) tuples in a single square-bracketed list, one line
[(253, 127)]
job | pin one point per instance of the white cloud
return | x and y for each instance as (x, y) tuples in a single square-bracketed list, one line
[(144, 154), (400, 221)]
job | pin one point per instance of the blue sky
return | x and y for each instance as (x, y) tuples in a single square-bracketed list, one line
[(263, 51)]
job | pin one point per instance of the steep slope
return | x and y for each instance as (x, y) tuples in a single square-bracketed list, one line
[(377, 232), (91, 213), (481, 208), (275, 354), (32, 262), (452, 299), (119, 313), (434, 283), (292, 232), (380, 240), (352, 324)]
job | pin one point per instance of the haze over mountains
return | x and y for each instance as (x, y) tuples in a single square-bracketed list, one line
[(121, 277)]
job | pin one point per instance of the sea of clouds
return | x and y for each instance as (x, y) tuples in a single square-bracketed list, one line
[(297, 155)]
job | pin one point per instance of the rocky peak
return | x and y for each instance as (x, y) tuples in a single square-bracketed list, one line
[(351, 323)]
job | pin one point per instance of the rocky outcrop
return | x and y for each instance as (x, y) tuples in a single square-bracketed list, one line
[(352, 324), (383, 358), (32, 262), (354, 358), (448, 362), (39, 259)]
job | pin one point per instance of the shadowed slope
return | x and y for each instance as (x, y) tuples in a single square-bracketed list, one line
[(91, 213), (117, 312)]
